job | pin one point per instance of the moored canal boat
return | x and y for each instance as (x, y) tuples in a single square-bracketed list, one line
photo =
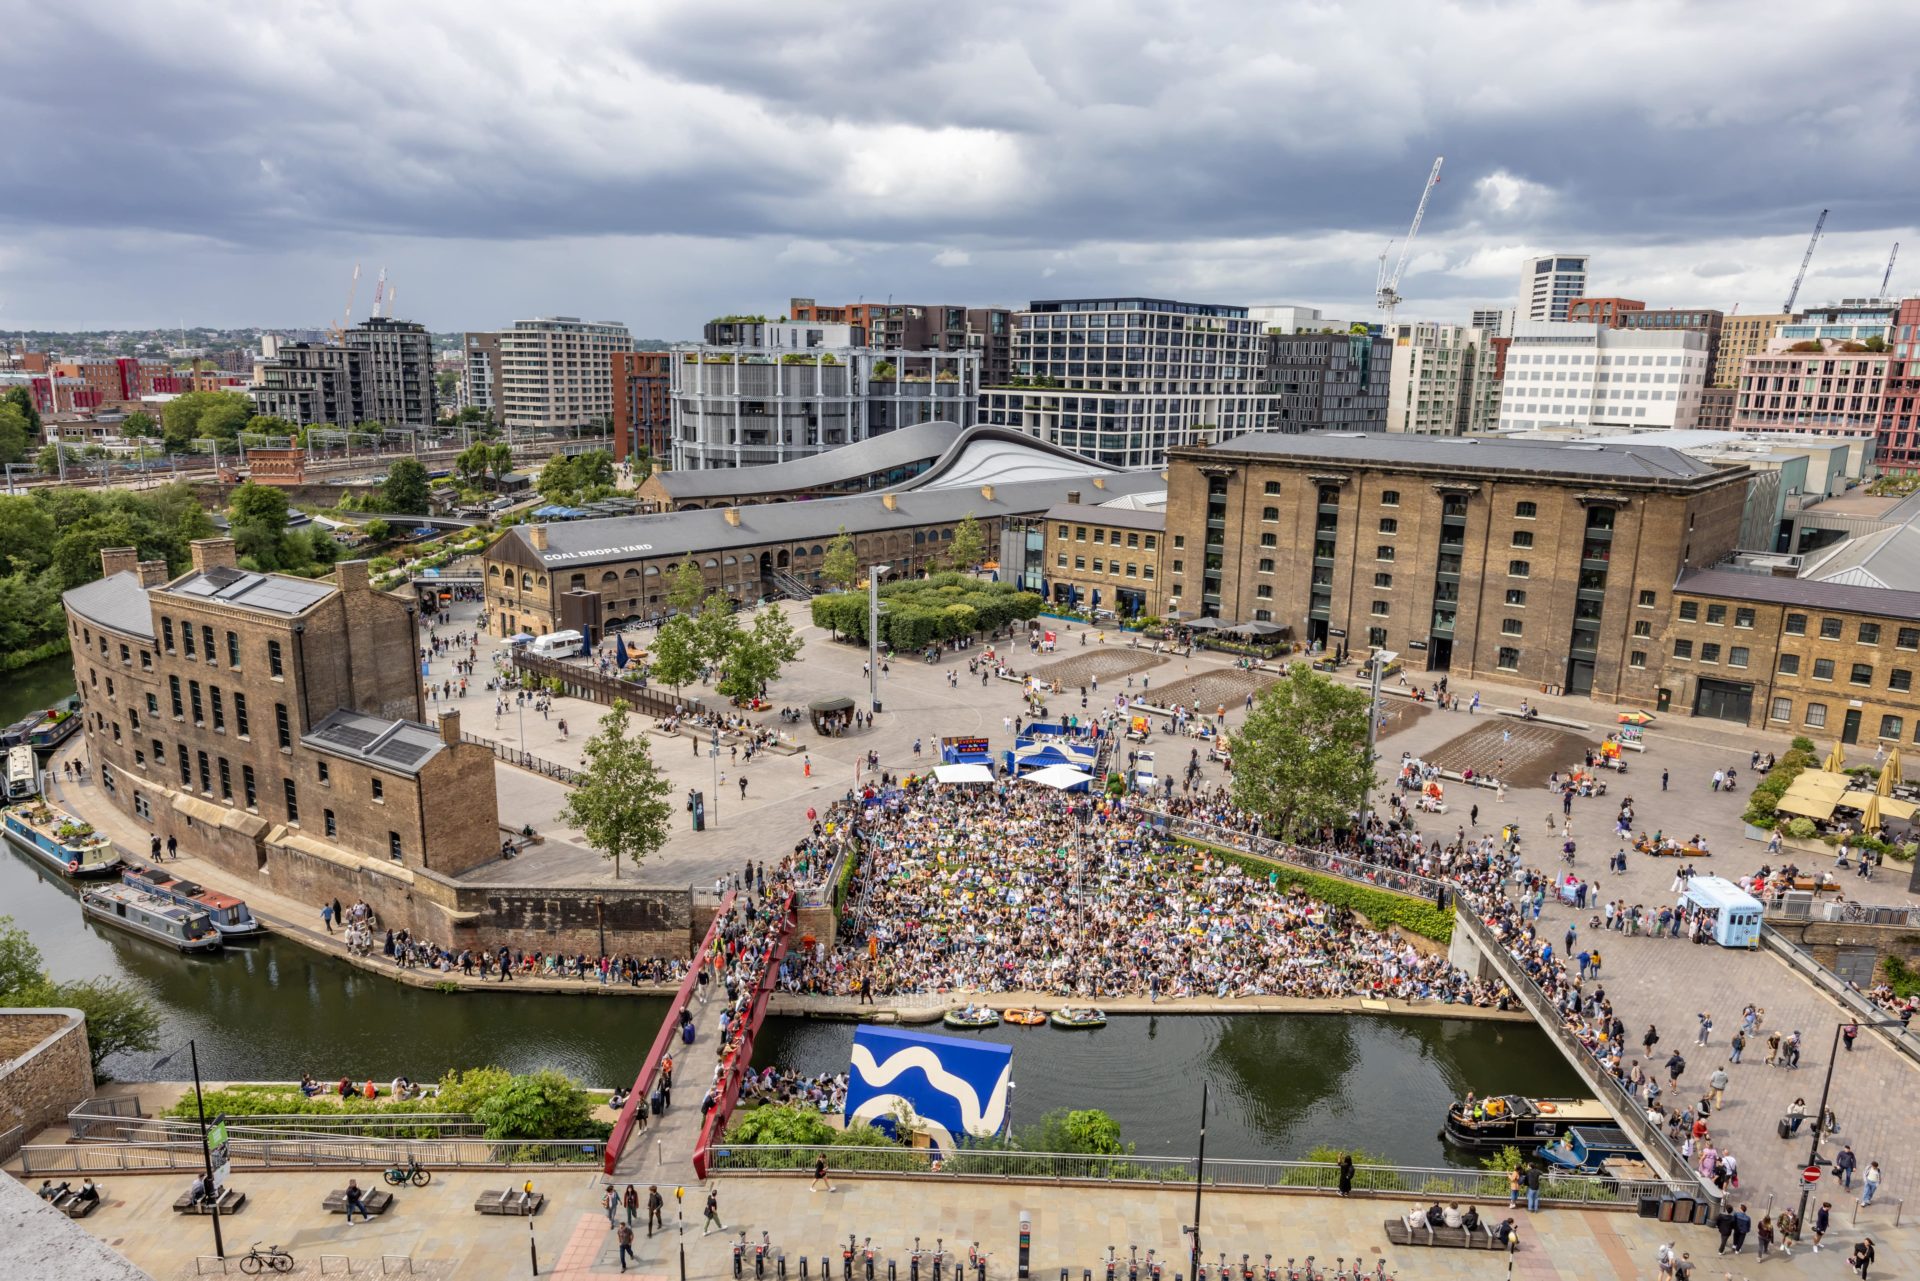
[(151, 917), (229, 915), (65, 844), (1492, 1123)]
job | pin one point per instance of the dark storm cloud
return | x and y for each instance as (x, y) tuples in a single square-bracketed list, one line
[(689, 157)]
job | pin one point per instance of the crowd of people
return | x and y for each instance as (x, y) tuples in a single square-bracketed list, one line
[(778, 1086), (995, 890)]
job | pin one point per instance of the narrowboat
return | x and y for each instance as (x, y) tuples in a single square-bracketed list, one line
[(229, 915), (55, 726), (68, 846), (1500, 1120), (151, 917), (1584, 1147), (23, 774)]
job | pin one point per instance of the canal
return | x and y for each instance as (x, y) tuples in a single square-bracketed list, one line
[(34, 687), (1281, 1083)]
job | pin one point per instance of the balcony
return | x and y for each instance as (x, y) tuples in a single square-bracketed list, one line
[(1442, 623)]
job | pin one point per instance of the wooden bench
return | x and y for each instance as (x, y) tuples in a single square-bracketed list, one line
[(230, 1200), (511, 1201), (1480, 1238), (74, 1206), (377, 1201)]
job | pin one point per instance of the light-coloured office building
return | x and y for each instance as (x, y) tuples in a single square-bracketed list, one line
[(1289, 318), (1495, 322), (1548, 284), (1592, 375), (556, 373), (1742, 336)]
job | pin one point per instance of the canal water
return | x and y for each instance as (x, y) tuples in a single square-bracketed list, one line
[(1280, 1083), (34, 688)]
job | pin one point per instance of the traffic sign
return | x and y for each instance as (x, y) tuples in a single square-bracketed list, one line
[(1810, 1175)]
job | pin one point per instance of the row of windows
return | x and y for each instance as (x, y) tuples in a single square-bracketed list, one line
[(1100, 536), (187, 648), (1814, 716), (1710, 652), (1900, 678), (1101, 566), (1830, 628)]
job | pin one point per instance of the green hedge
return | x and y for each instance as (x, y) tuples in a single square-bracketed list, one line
[(1766, 794), (1382, 907)]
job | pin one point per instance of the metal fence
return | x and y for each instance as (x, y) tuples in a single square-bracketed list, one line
[(1804, 905), (308, 1152), (1061, 1167), (90, 1126), (10, 1141), (1855, 1001), (525, 760), (1348, 867), (583, 682)]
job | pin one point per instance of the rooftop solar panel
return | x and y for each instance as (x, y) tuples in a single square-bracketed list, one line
[(401, 751), (346, 736)]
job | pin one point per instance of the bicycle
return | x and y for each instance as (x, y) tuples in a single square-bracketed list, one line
[(412, 1172), (272, 1259)]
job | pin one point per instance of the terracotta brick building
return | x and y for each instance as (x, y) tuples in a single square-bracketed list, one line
[(642, 404), (273, 724), (1544, 562)]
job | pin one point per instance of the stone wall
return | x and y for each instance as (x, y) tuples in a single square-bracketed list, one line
[(1825, 941), (45, 1069)]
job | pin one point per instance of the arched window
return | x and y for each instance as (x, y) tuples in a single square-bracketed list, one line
[(711, 563), (609, 577), (526, 582), (493, 571), (578, 580)]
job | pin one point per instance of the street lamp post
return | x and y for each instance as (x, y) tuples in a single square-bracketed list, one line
[(1820, 1116), (874, 575), (206, 1151), (1381, 658)]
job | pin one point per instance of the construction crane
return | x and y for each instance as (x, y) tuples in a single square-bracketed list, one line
[(1386, 289), (1887, 279), (353, 287), (379, 291), (1798, 280)]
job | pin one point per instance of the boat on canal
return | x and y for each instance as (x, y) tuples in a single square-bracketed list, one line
[(1024, 1016), (46, 729), (229, 915), (151, 917), (1078, 1017), (1585, 1147), (1515, 1119), (59, 840), (971, 1016), (23, 774)]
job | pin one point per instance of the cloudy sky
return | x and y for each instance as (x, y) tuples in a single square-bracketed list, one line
[(658, 162)]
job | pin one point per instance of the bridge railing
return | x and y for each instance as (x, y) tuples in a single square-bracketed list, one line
[(1424, 1182), (525, 760), (715, 1123), (309, 1152)]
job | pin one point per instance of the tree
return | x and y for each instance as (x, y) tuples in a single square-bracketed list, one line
[(841, 565), (969, 545), (201, 415), (758, 654), (405, 489), (22, 399), (471, 465), (253, 504), (16, 433), (377, 530), (538, 1105), (685, 586), (499, 460), (716, 631), (120, 1018), (675, 653), (20, 961), (584, 478), (26, 536), (1301, 760), (140, 423), (271, 425), (620, 802)]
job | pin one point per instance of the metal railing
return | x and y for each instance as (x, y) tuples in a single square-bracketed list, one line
[(1349, 867), (525, 760), (1804, 905), (584, 682), (1425, 1181), (10, 1141), (374, 1125), (309, 1153), (1854, 1001)]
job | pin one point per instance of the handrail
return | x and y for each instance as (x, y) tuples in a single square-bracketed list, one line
[(715, 1122), (999, 1163), (1849, 997), (628, 1120), (309, 1153), (1349, 867)]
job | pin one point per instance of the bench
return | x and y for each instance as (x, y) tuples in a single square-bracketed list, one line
[(230, 1201), (377, 1201), (511, 1201), (1480, 1238), (75, 1206)]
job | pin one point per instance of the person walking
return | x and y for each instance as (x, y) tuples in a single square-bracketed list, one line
[(326, 916), (1706, 1027), (711, 1223), (820, 1175), (1862, 1257), (624, 1234), (1742, 1224), (655, 1204), (1764, 1242), (1870, 1183), (1849, 1032), (630, 1200), (1723, 1224), (1663, 780), (1822, 1220), (1717, 1087), (610, 1202), (1844, 1164)]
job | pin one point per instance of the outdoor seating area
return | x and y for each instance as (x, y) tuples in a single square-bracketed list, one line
[(1838, 803), (1478, 1238), (231, 1199), (377, 1201), (516, 1201)]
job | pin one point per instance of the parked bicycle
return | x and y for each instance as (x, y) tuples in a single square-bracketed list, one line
[(412, 1172), (272, 1259)]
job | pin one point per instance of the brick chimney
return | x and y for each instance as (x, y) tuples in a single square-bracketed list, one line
[(115, 560), (209, 553), (1073, 497), (350, 576), (153, 573), (450, 728), (537, 535)]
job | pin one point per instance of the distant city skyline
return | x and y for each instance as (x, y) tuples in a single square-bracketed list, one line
[(657, 165)]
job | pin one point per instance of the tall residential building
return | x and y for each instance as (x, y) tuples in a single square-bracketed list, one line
[(1495, 322), (986, 331), (1849, 320), (556, 373), (792, 389), (396, 370), (480, 373), (1548, 286), (1444, 380), (1899, 433), (1563, 374), (1743, 336), (1123, 379), (1706, 320), (642, 412), (1334, 381), (990, 336), (1829, 392)]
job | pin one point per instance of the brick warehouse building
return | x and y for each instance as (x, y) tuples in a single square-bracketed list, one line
[(642, 405), (273, 725), (1543, 562)]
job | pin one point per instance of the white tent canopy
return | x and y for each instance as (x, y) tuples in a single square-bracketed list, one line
[(1060, 777), (946, 774)]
